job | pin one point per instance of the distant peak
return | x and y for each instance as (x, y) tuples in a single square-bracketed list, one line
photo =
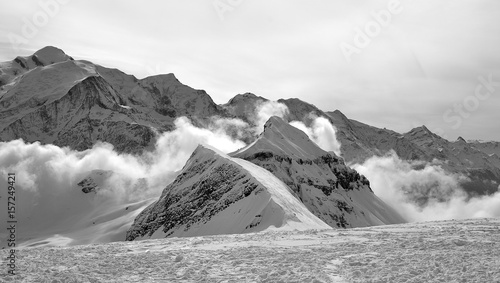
[(462, 140), (337, 112), (244, 97), (163, 77), (422, 128), (50, 55), (248, 94), (50, 50), (338, 115), (422, 131)]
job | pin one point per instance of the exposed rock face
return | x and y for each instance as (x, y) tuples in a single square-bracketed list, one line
[(244, 106), (333, 192), (93, 182), (90, 111), (490, 147), (216, 194), (360, 141), (51, 98)]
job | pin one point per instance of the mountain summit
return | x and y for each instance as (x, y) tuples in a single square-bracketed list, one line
[(335, 193), (279, 138)]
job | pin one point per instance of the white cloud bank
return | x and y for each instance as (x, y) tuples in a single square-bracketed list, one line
[(322, 132), (424, 194)]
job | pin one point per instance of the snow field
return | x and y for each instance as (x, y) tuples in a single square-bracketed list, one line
[(446, 251)]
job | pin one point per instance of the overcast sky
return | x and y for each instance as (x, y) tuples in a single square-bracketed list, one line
[(423, 63)]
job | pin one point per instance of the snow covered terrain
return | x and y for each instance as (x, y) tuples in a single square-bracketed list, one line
[(445, 251), (84, 213)]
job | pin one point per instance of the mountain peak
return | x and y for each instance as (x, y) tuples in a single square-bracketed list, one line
[(423, 136), (422, 130), (337, 112), (282, 139), (339, 117), (244, 97), (50, 55), (248, 94), (461, 140), (46, 56), (170, 77), (275, 121)]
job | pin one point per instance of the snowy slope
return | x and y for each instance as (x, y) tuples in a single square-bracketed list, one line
[(10, 72), (86, 212), (280, 138), (333, 192), (445, 251), (216, 194)]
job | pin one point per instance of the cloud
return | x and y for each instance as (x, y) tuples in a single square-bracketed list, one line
[(424, 194), (322, 132), (235, 128), (47, 195)]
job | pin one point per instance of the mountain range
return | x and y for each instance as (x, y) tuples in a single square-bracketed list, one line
[(281, 179)]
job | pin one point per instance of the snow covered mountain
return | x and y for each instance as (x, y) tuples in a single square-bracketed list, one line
[(333, 192), (481, 168), (361, 141), (217, 194), (303, 187), (51, 98)]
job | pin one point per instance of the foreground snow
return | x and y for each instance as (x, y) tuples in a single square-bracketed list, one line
[(447, 251)]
